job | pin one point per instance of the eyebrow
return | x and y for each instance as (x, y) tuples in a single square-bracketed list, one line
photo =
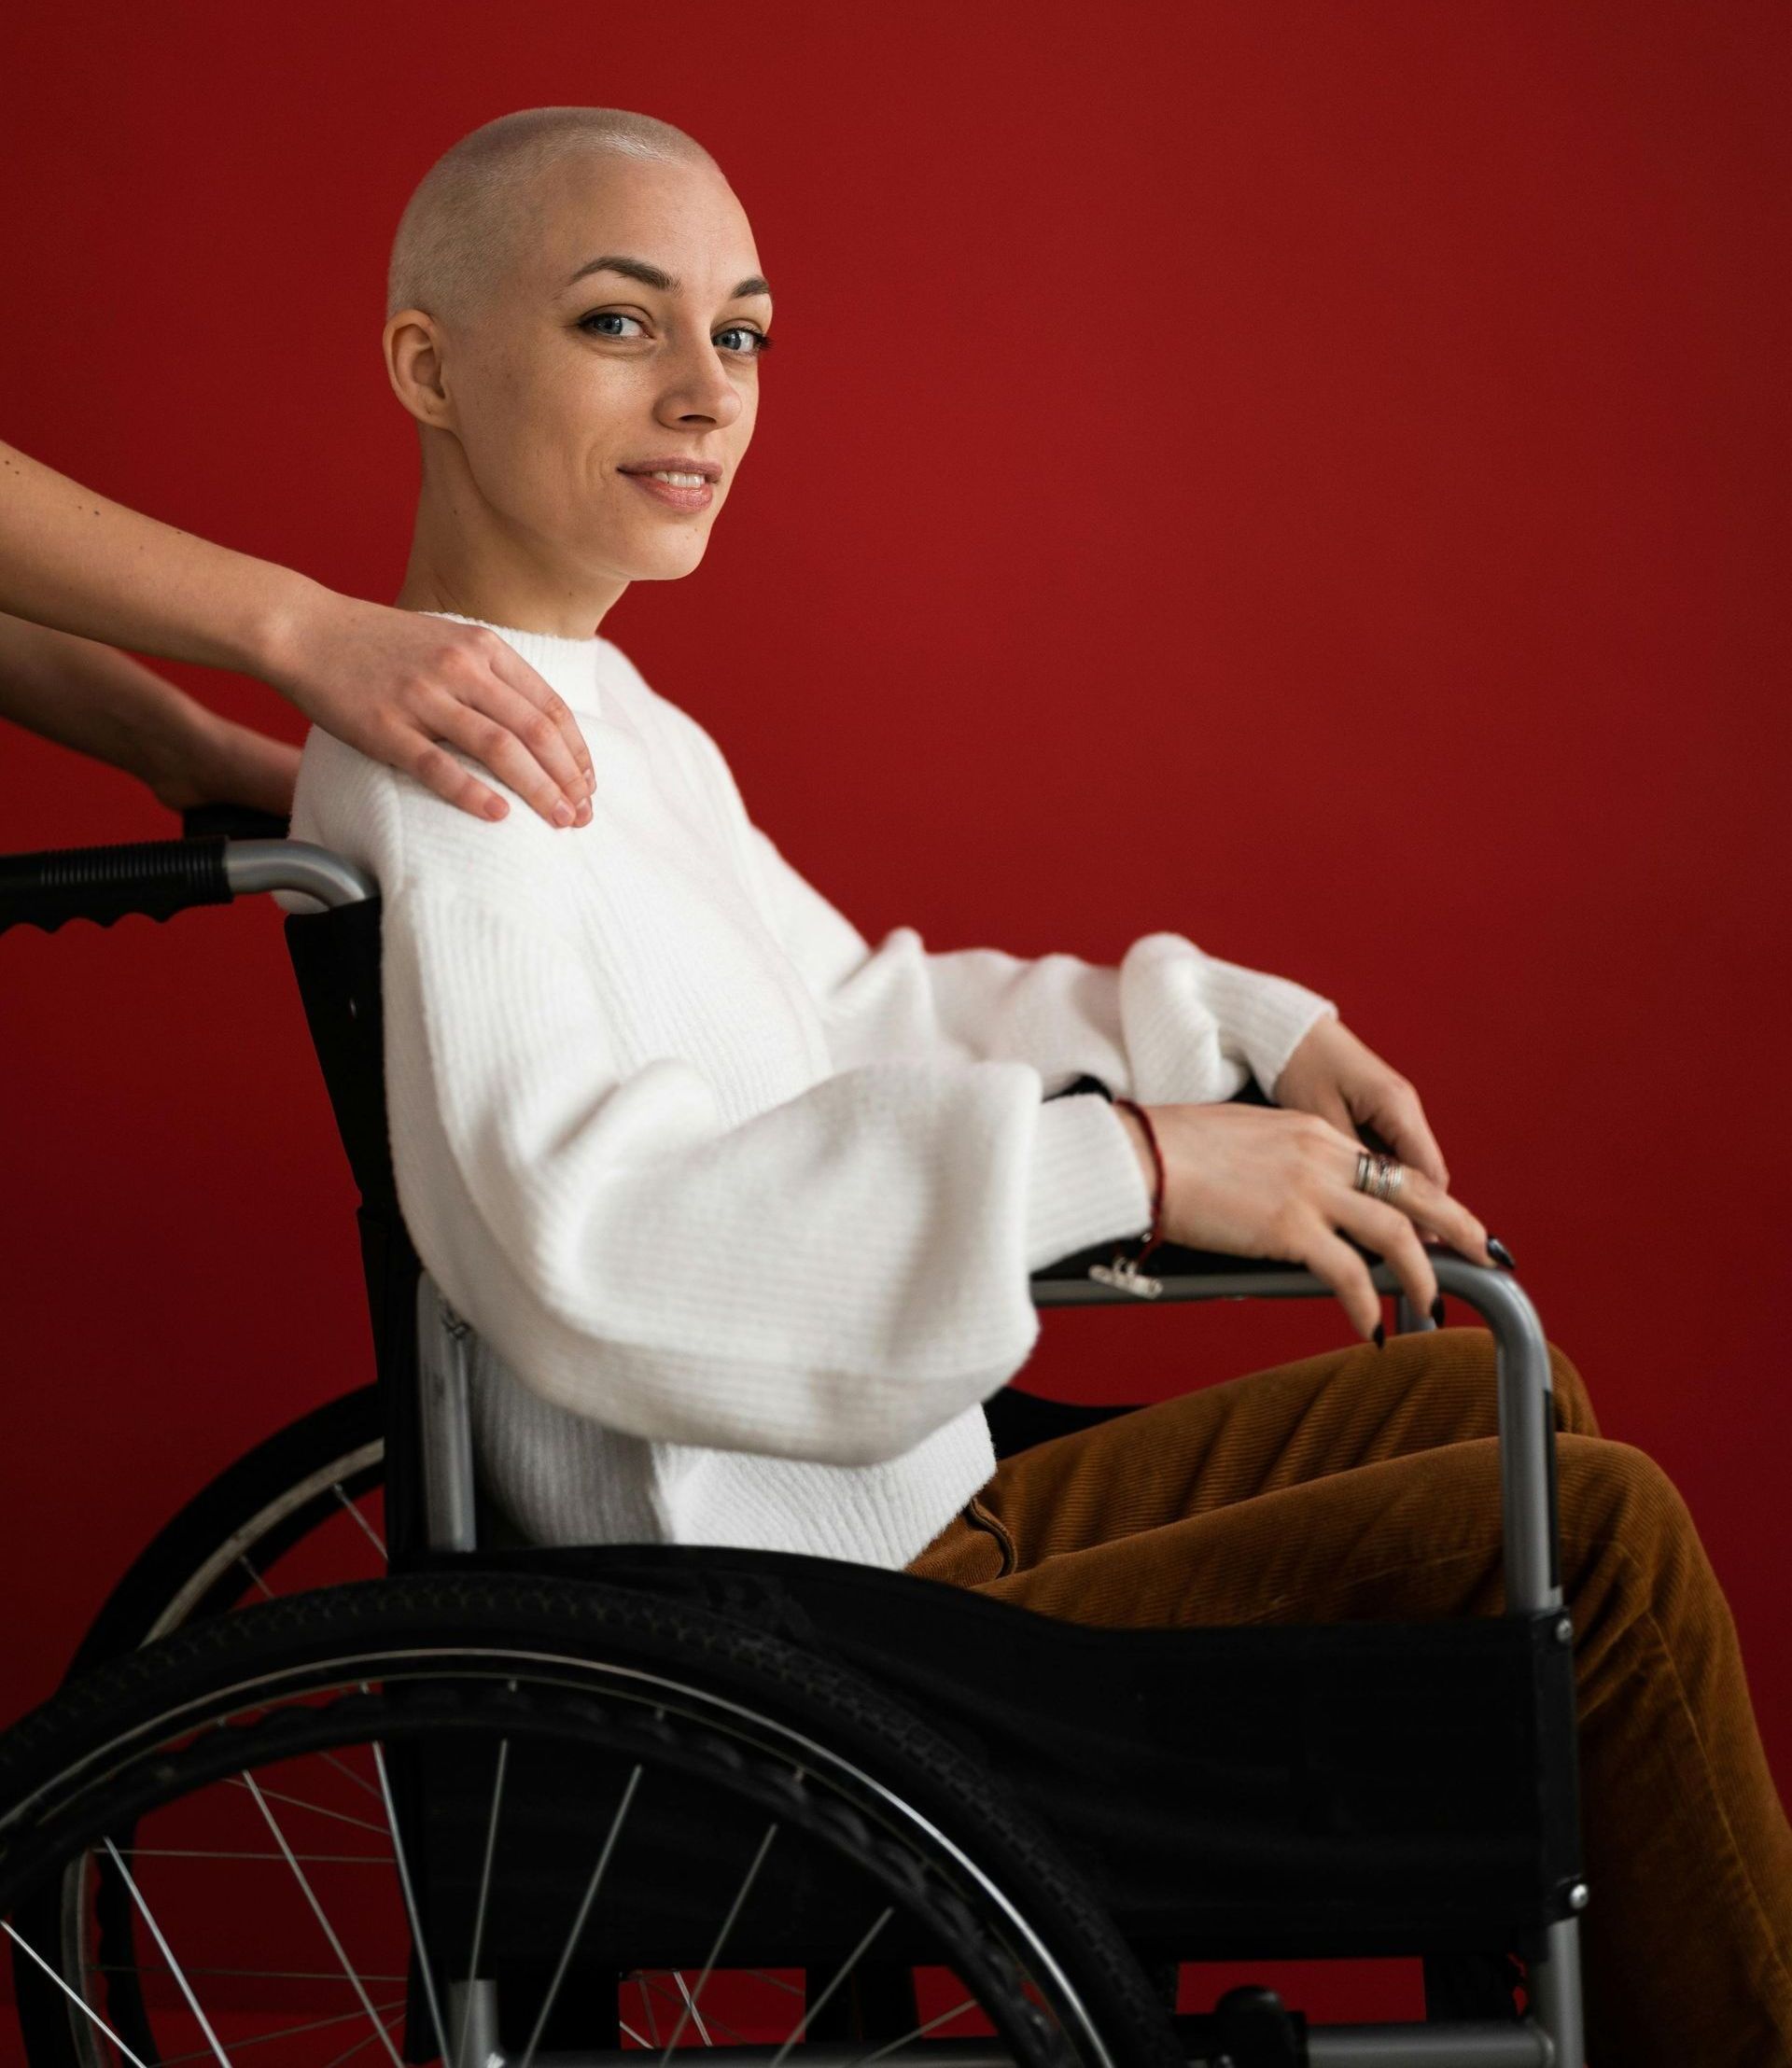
[(656, 276)]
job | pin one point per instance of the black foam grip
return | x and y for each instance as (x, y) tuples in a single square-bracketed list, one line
[(154, 878)]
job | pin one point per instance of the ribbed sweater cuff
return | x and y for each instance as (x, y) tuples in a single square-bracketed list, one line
[(1262, 1018), (1086, 1185)]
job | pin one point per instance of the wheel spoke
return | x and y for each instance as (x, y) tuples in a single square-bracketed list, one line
[(840, 1974), (289, 2031), (311, 1860), (316, 1808), (80, 2002), (410, 1904), (384, 2032), (368, 1531), (484, 1893), (709, 2024), (691, 2007), (647, 2005), (348, 1773), (715, 1951), (920, 2032), (317, 1911), (148, 1917), (579, 1922)]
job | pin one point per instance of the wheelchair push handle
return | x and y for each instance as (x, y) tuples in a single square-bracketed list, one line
[(158, 879)]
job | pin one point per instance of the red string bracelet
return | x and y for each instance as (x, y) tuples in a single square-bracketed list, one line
[(1123, 1271)]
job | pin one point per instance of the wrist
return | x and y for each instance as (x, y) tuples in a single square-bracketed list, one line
[(1141, 1141), (280, 625)]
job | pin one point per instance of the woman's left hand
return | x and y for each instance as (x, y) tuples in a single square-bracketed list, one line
[(1344, 1080)]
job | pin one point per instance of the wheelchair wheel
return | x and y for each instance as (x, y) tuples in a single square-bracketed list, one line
[(302, 1509), (490, 1819)]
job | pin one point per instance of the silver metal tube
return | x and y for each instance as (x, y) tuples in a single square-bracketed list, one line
[(1429, 2046), (444, 1398), (256, 865), (472, 2014), (1555, 1991), (1407, 1320), (1526, 1396), (1527, 1426)]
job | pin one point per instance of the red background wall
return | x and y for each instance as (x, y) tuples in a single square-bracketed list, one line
[(1312, 477)]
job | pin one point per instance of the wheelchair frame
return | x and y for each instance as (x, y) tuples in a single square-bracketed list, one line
[(433, 1508)]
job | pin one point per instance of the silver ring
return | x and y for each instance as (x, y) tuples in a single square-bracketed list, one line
[(1379, 1176)]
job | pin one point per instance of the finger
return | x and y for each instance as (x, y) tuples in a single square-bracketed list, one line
[(1430, 1206), (1328, 1256), (1402, 1122), (499, 749), (440, 771), (516, 674), (1383, 1228), (538, 732)]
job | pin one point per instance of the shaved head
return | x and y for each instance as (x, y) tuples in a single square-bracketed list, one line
[(455, 238)]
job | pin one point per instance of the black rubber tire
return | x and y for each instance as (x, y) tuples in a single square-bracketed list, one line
[(110, 1721), (220, 1511)]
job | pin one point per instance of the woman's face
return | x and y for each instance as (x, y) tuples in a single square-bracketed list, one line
[(605, 390)]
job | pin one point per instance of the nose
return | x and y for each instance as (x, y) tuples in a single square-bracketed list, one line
[(698, 393)]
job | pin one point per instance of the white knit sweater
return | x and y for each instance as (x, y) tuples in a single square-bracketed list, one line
[(741, 1209)]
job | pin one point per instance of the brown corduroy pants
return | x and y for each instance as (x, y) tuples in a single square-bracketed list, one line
[(1363, 1485)]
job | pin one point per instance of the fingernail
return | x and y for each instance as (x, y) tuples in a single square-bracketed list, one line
[(585, 813), (562, 813), (1500, 1253), (1438, 1311), (1381, 1336)]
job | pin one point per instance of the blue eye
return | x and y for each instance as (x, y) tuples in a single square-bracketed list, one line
[(608, 316), (736, 329), (743, 338)]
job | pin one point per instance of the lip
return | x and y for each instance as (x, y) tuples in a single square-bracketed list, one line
[(673, 497), (677, 463), (641, 473)]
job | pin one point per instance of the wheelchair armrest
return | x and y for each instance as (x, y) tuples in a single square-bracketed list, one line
[(1525, 1377)]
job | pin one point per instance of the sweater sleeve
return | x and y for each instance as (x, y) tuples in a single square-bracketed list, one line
[(833, 1279), (1170, 1024)]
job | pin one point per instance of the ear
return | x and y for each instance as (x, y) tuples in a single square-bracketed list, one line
[(417, 366)]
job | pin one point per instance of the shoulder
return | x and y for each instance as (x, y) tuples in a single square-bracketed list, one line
[(411, 839)]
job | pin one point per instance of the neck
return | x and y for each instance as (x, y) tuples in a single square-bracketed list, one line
[(467, 558)]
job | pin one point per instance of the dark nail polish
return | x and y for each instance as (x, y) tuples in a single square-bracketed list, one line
[(1380, 1337), (1438, 1311), (1500, 1253)]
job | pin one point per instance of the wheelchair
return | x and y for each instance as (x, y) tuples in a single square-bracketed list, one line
[(501, 1806)]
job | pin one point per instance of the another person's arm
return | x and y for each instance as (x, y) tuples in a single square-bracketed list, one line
[(393, 683), (102, 703)]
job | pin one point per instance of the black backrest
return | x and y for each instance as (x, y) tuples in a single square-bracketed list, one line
[(336, 958)]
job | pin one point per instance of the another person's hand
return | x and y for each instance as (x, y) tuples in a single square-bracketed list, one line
[(1334, 1075), (396, 684), (1255, 1181), (393, 683), (216, 761)]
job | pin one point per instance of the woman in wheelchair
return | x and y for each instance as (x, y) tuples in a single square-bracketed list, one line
[(742, 1210)]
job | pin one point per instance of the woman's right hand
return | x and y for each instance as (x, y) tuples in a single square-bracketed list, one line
[(403, 687), (1256, 1181)]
